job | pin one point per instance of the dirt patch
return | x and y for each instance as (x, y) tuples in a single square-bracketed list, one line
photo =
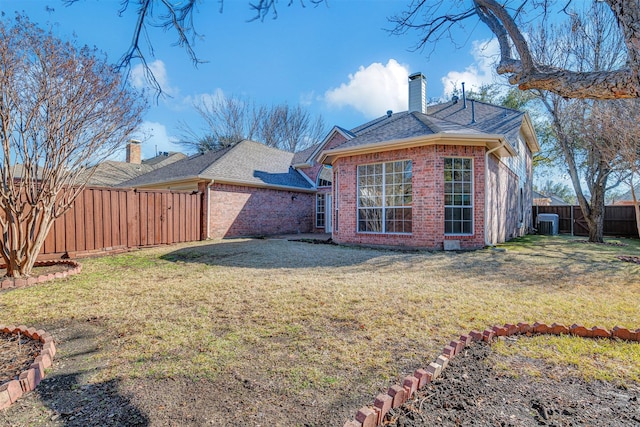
[(68, 396), (601, 243), (17, 353), (634, 259), (472, 391)]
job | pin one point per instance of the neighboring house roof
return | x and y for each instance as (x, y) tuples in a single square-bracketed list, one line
[(111, 173), (443, 122), (246, 163), (540, 199), (19, 170), (627, 198)]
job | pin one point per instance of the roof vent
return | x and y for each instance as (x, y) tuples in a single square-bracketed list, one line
[(473, 111), (454, 99), (389, 113), (464, 97)]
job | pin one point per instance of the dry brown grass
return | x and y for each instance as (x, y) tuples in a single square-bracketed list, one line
[(303, 319)]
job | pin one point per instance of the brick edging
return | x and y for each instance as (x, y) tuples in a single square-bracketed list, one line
[(27, 381), (397, 395), (74, 268)]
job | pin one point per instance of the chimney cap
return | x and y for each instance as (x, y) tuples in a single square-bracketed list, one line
[(135, 141)]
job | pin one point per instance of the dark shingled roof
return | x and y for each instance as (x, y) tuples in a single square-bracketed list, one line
[(448, 118), (303, 156), (246, 162)]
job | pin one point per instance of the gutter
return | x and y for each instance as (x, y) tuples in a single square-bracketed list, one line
[(486, 192), (329, 156), (209, 209)]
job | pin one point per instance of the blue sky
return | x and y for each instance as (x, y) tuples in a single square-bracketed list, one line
[(336, 59)]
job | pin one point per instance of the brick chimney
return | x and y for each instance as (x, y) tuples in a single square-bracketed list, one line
[(418, 93), (134, 152)]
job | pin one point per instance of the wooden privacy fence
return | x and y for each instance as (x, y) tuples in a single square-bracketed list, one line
[(618, 220), (110, 219)]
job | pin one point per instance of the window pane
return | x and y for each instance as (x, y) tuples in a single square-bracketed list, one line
[(370, 220), (382, 214), (458, 196), (320, 210)]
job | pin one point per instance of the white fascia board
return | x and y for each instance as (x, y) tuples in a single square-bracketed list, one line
[(488, 140), (262, 185)]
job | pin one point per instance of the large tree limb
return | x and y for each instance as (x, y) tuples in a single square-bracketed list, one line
[(437, 19)]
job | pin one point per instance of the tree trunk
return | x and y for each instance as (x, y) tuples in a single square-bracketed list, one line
[(636, 207), (596, 224), (20, 253)]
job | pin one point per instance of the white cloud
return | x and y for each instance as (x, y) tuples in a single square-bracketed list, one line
[(306, 99), (373, 90), (485, 54), (140, 81), (207, 99), (155, 139)]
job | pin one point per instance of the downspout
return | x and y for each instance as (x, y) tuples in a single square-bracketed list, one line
[(208, 198), (486, 191)]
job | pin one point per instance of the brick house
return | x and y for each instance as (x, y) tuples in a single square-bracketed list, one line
[(453, 175), (248, 189)]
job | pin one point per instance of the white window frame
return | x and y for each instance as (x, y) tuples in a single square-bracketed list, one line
[(320, 196), (322, 169), (383, 208), (462, 207)]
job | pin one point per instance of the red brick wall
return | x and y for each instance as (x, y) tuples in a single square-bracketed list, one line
[(428, 197), (313, 172), (247, 211)]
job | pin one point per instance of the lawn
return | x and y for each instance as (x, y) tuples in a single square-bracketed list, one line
[(322, 329)]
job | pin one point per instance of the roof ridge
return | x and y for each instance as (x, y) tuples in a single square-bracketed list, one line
[(380, 121)]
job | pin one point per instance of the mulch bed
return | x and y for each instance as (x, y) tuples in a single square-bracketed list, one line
[(45, 269), (472, 392), (17, 353)]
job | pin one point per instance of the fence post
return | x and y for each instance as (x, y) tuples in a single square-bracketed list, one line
[(572, 208)]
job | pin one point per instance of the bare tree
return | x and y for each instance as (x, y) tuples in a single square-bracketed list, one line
[(62, 109), (510, 20), (587, 43), (290, 128), (615, 124), (229, 120)]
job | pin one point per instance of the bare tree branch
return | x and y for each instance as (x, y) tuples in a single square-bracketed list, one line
[(62, 109), (509, 27), (175, 16), (231, 119)]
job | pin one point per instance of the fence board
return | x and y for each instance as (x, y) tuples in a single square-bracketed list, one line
[(70, 229), (79, 223), (122, 215), (115, 219), (619, 221), (103, 219), (90, 235), (133, 220)]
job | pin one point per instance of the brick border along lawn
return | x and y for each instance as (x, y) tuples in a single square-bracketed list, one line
[(319, 329)]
